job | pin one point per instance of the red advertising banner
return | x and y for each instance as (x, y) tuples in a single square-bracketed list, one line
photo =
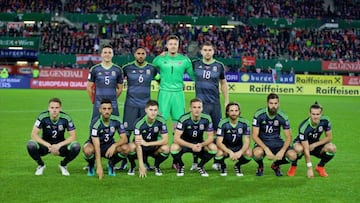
[(85, 58), (80, 74), (351, 80), (248, 61), (61, 83), (340, 66)]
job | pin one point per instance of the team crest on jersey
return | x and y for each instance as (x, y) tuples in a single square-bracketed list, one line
[(112, 129), (202, 127), (321, 128), (240, 131), (156, 129), (147, 72), (113, 73), (215, 68), (276, 123), (61, 127)]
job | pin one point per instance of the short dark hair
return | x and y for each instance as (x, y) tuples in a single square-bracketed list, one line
[(228, 107), (172, 37), (272, 96), (195, 100), (139, 47), (316, 105), (55, 99), (106, 46), (105, 101), (151, 102), (207, 43)]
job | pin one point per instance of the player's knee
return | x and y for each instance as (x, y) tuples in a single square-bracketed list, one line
[(219, 152), (291, 154), (132, 147), (124, 149), (212, 147), (165, 149), (258, 153), (248, 153), (75, 147), (175, 147), (298, 148), (330, 148), (31, 145), (88, 150)]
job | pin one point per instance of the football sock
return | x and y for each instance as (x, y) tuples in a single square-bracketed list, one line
[(160, 158), (32, 148), (326, 157), (74, 150)]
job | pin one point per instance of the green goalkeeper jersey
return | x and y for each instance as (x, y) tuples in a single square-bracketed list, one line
[(172, 69)]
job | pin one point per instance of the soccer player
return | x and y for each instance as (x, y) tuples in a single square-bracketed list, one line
[(105, 80), (266, 129), (102, 143), (151, 139), (172, 66), (308, 141), (208, 74), (139, 75), (233, 139), (53, 123), (189, 137)]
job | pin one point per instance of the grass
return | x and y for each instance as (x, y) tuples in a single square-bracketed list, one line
[(19, 109)]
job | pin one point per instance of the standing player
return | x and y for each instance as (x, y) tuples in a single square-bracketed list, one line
[(151, 139), (102, 143), (172, 66), (53, 124), (139, 75), (266, 134), (189, 137), (233, 139), (208, 74), (107, 78), (308, 142)]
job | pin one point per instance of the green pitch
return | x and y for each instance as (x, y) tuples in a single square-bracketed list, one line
[(19, 109)]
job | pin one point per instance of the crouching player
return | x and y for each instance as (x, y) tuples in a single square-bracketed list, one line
[(189, 137), (151, 138), (308, 142), (233, 139), (102, 143)]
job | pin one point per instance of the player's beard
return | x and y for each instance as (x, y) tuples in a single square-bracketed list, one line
[(272, 111), (234, 117)]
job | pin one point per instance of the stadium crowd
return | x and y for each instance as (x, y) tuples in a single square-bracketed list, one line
[(259, 41), (233, 8)]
